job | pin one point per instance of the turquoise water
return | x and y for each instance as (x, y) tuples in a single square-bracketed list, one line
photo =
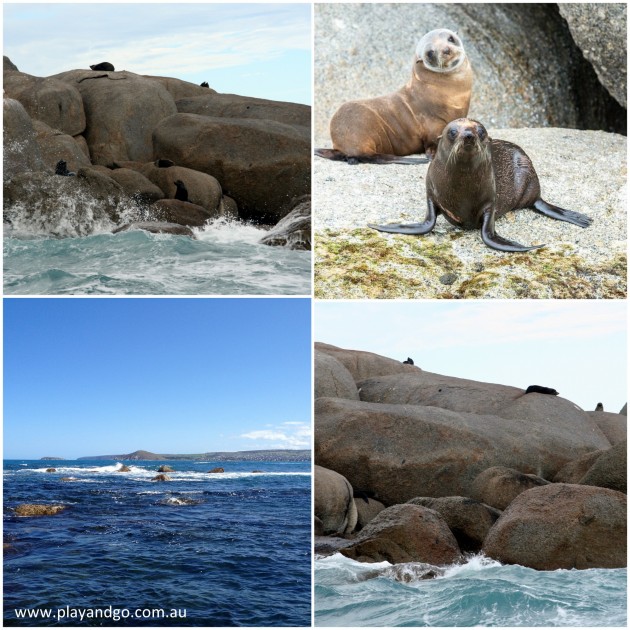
[(479, 593), (224, 259)]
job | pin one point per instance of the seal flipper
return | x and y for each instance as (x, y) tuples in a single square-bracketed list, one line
[(378, 158), (555, 212), (411, 228), (493, 240), (331, 154)]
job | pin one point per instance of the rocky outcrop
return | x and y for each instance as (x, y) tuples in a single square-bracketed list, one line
[(165, 468), (161, 477), (217, 470), (610, 469), (367, 509), (124, 469), (332, 379), (51, 470), (262, 164), (405, 533), (577, 468), (181, 89), (588, 22), (362, 365), (56, 145), (613, 425), (469, 520), (38, 509), (561, 526), (499, 486), (181, 212), (137, 186), (375, 446), (292, 231), (20, 147), (334, 503)]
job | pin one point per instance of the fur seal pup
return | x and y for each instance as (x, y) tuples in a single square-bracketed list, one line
[(61, 168), (410, 120), (205, 84), (104, 65), (182, 192), (599, 407), (473, 180), (409, 361), (539, 389)]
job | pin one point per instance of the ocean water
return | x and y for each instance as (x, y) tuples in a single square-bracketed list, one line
[(480, 593), (231, 549), (224, 259)]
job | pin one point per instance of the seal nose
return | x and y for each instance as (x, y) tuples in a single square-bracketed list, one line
[(431, 55), (468, 135), (446, 51)]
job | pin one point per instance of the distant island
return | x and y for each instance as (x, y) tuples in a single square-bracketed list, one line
[(52, 458), (279, 455)]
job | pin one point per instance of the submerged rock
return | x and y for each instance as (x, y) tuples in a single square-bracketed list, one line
[(216, 470)]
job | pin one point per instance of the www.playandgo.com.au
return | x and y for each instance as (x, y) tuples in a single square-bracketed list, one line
[(108, 612)]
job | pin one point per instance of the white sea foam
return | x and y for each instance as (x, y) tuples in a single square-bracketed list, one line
[(228, 231)]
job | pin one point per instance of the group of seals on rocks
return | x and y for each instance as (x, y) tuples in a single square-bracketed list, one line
[(472, 179)]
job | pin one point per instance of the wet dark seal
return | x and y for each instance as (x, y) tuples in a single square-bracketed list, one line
[(409, 361), (410, 120), (61, 168), (164, 163), (539, 389), (182, 192), (473, 180), (205, 84), (103, 66)]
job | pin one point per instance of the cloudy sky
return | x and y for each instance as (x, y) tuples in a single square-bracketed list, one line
[(90, 376), (577, 347), (260, 50)]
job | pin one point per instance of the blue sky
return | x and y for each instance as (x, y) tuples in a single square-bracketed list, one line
[(261, 50), (111, 376), (577, 347)]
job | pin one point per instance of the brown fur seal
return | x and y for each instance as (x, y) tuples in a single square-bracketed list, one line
[(473, 180), (539, 389), (410, 120), (104, 65)]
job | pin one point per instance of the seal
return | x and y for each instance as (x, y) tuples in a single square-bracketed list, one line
[(408, 121), (409, 361), (164, 163), (599, 407), (539, 389), (61, 168), (205, 84), (104, 65), (473, 180), (182, 192)]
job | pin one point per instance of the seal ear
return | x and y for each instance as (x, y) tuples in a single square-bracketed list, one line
[(439, 137)]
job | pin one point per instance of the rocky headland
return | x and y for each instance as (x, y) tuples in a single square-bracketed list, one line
[(541, 82), (153, 153), (419, 467), (271, 455)]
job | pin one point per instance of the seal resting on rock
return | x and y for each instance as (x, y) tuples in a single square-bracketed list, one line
[(539, 389), (61, 168), (473, 180), (104, 65), (409, 361), (410, 120), (182, 192), (205, 84)]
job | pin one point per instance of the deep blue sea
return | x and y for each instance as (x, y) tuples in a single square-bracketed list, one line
[(479, 593), (224, 259), (232, 549)]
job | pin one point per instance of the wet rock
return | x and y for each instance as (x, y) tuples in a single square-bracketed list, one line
[(405, 533), (124, 468), (329, 545), (157, 227), (165, 468), (216, 470), (292, 231), (51, 470), (21, 151), (38, 509), (561, 526), (181, 212), (161, 477), (136, 185)]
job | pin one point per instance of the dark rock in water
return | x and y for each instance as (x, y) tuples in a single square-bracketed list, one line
[(61, 168), (124, 469), (181, 212), (498, 486), (161, 478), (562, 526), (156, 227), (294, 230), (164, 468), (103, 66), (68, 479), (257, 471), (469, 520), (51, 470), (37, 509), (407, 572), (217, 470), (539, 389), (228, 207), (405, 533)]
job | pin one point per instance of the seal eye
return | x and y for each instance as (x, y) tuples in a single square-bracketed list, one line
[(452, 133), (451, 39), (481, 133)]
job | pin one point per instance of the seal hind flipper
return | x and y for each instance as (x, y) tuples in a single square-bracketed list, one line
[(555, 212), (411, 228), (331, 154), (377, 158), (493, 240)]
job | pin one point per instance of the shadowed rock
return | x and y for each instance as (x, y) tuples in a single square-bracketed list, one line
[(610, 469), (334, 503), (499, 486)]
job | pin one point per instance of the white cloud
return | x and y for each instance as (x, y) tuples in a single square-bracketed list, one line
[(289, 435)]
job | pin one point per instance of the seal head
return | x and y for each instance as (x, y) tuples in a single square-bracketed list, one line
[(441, 50)]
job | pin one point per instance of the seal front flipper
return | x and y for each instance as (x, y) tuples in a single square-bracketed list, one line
[(493, 240), (555, 212), (411, 228)]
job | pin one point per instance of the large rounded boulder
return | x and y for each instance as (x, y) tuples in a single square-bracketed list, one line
[(262, 164), (121, 109), (610, 469), (498, 486), (613, 425), (574, 470), (562, 526), (334, 502), (21, 151), (56, 145), (332, 379), (405, 533)]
